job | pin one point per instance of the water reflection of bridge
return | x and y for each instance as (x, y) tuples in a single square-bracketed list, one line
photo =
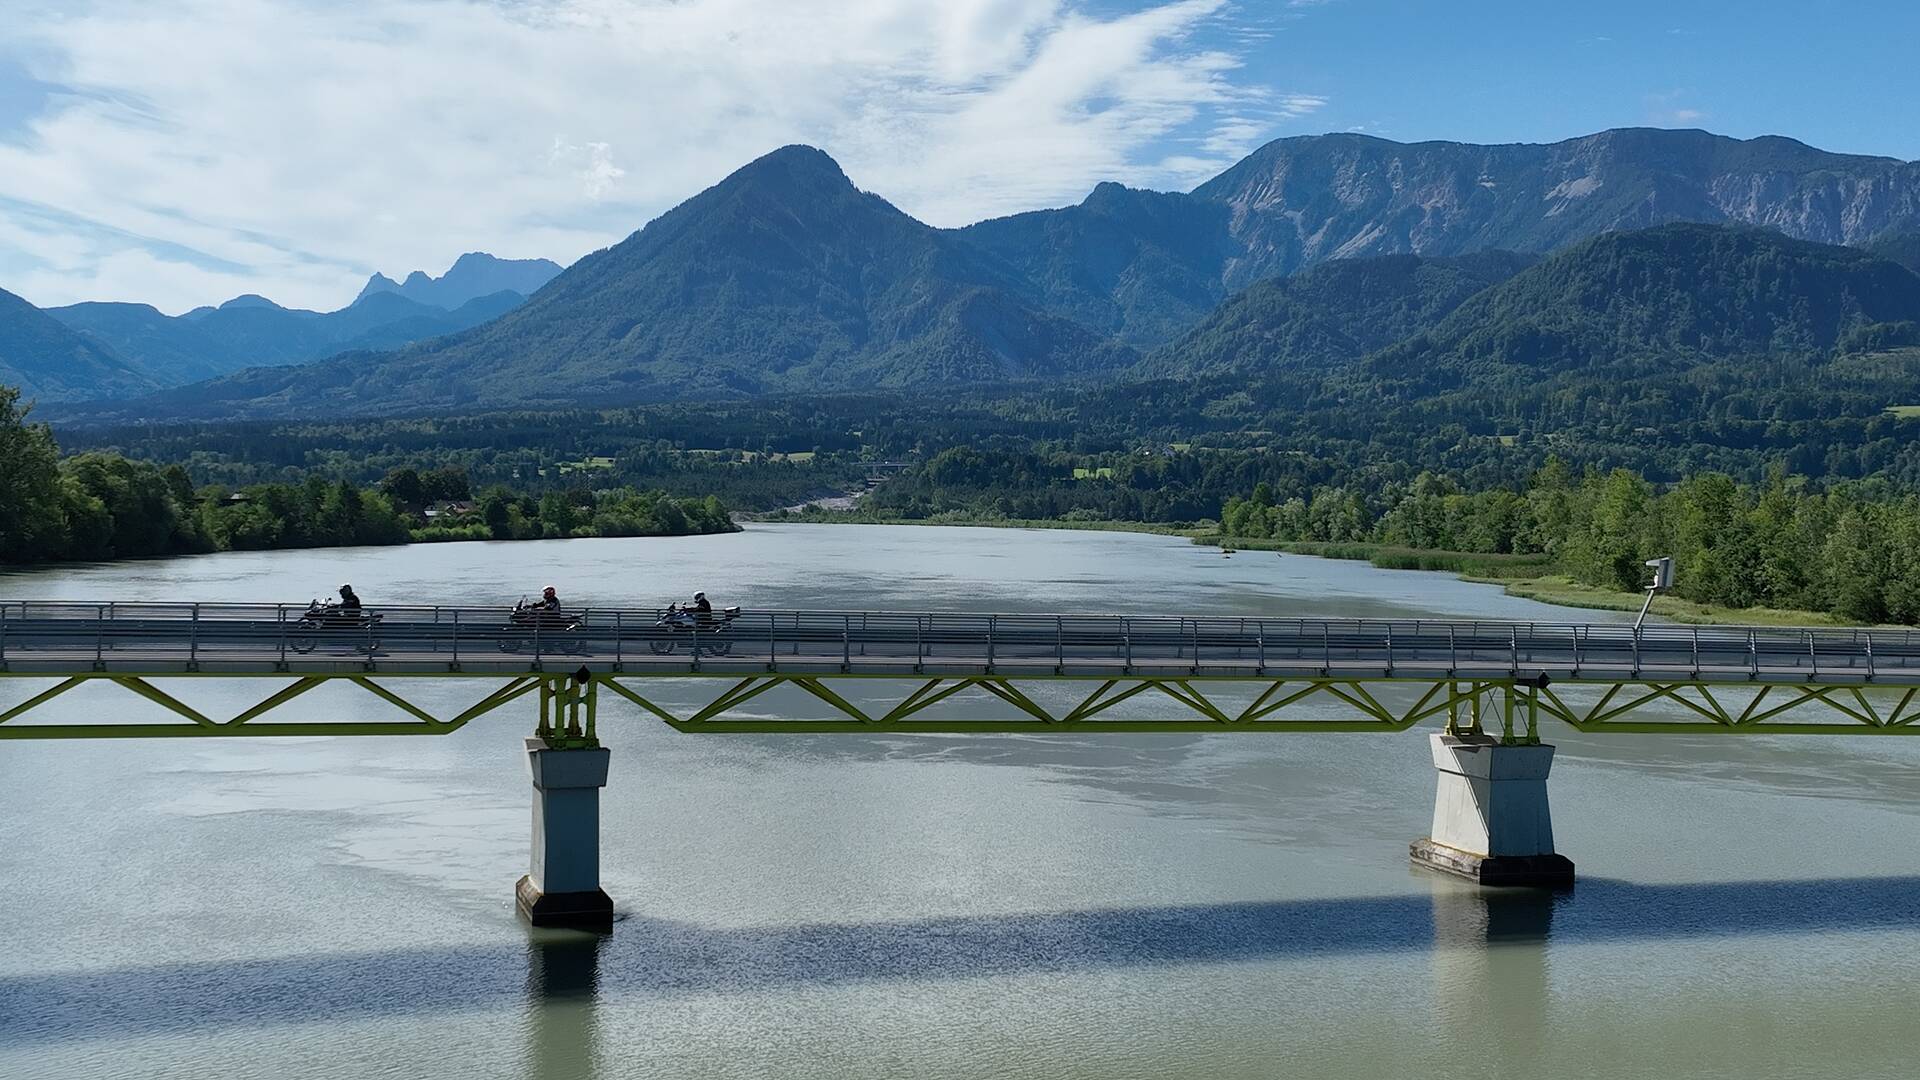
[(1486, 684)]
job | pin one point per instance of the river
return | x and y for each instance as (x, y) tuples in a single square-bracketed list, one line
[(836, 906)]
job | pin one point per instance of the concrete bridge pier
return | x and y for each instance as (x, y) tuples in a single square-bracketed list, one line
[(562, 885), (1491, 823)]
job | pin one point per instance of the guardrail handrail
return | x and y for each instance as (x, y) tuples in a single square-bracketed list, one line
[(102, 632)]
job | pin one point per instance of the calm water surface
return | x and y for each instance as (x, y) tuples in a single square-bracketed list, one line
[(815, 906)]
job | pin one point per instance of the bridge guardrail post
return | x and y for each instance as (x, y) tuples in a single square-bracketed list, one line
[(1059, 644), (280, 617), (456, 638), (1870, 671), (3, 637), (99, 635), (1696, 652), (993, 625), (1753, 654), (1636, 650), (1813, 656), (193, 640), (1262, 642)]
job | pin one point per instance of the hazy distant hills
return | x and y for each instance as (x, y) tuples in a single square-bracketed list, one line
[(48, 361), (252, 331), (472, 276), (784, 277)]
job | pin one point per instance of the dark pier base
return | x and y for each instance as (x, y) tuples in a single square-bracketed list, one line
[(572, 911), (1548, 871)]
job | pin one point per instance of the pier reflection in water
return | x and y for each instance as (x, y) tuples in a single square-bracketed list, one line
[(1490, 966), (563, 990)]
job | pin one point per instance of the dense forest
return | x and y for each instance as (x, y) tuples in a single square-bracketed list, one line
[(102, 505)]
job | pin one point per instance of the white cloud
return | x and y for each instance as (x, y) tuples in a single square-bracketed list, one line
[(289, 147), (1665, 109)]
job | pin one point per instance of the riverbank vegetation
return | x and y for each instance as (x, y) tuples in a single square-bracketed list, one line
[(1850, 551), (101, 505)]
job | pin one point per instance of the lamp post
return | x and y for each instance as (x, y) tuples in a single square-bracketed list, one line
[(1662, 581)]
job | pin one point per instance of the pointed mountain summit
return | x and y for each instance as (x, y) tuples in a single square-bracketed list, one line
[(782, 277), (472, 276)]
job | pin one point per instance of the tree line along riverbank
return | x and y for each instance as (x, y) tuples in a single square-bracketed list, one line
[(1778, 551), (101, 505)]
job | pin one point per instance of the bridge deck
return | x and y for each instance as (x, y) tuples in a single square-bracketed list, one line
[(41, 638)]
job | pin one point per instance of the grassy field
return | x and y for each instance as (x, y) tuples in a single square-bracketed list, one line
[(1569, 593)]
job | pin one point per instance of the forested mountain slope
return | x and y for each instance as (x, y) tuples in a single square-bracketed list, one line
[(48, 362), (1333, 314), (1658, 300)]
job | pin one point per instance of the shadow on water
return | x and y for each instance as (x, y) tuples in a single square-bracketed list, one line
[(662, 957)]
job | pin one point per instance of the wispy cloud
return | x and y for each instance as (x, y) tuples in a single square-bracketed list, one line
[(1669, 109), (200, 148)]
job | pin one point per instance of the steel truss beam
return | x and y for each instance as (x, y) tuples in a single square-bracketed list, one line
[(568, 706), (247, 721), (1194, 708)]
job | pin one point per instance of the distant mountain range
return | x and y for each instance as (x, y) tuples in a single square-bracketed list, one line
[(151, 351), (785, 277)]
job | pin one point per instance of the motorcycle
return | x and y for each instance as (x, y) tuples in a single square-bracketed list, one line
[(329, 622), (530, 626), (708, 632)]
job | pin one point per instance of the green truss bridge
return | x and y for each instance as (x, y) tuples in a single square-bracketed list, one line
[(1487, 686)]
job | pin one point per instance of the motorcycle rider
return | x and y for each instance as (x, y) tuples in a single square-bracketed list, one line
[(349, 601), (701, 606), (549, 602)]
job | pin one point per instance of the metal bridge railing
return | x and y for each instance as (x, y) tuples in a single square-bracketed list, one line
[(208, 635)]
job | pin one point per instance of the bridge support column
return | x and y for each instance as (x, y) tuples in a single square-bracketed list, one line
[(562, 886), (1490, 818)]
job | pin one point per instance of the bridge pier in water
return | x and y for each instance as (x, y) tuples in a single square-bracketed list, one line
[(569, 767), (1491, 821), (562, 884)]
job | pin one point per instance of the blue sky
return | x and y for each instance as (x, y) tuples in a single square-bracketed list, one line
[(1841, 76), (181, 152)]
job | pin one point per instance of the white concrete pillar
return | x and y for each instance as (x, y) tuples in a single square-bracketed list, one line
[(1491, 823), (562, 886)]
